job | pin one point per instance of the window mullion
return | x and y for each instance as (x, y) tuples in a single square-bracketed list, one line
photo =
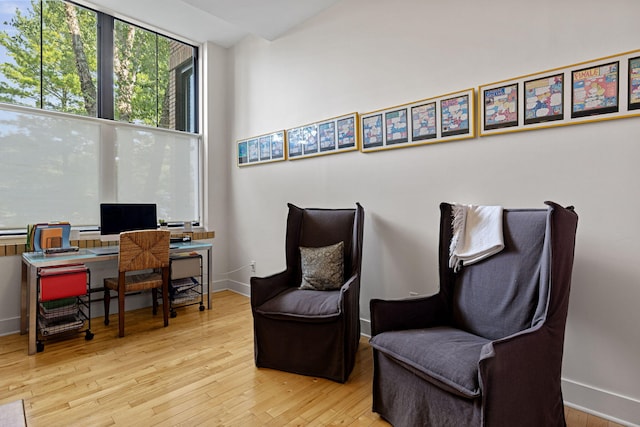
[(105, 66)]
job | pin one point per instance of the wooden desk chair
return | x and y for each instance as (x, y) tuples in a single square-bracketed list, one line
[(140, 250)]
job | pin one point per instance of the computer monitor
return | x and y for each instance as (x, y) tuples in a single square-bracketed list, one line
[(118, 217)]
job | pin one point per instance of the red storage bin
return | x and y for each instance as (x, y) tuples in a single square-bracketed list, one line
[(62, 282)]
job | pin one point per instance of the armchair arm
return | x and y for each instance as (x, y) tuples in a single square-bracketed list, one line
[(414, 313), (265, 288), (520, 377)]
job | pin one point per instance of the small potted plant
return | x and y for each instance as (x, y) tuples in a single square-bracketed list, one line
[(163, 224)]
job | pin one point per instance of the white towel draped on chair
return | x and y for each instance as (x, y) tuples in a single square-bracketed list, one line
[(477, 234)]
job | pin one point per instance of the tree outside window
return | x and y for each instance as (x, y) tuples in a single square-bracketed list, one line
[(49, 53)]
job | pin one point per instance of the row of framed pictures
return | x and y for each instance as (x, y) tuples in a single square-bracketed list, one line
[(603, 89), (335, 135), (445, 118)]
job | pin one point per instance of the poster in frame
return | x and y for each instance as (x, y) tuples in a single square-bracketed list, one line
[(310, 139), (454, 116), (265, 148), (264, 143), (396, 126), (294, 142), (372, 131), (634, 83), (277, 146), (544, 99), (327, 136), (252, 148), (423, 122), (595, 90), (500, 107), (346, 133), (243, 154)]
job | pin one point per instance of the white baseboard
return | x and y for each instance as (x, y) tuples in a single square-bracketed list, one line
[(601, 403), (9, 326)]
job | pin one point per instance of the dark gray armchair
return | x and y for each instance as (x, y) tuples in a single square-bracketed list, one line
[(311, 332), (486, 350)]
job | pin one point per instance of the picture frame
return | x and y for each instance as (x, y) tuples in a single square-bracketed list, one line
[(544, 99), (310, 139), (424, 121), (601, 89), (454, 115), (416, 123), (328, 136), (372, 135), (294, 143), (347, 132), (500, 106), (595, 90), (265, 148), (633, 95), (396, 126), (252, 147)]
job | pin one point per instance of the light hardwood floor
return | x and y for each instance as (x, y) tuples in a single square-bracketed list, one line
[(198, 371)]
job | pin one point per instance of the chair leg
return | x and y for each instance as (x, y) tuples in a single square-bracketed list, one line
[(107, 302), (121, 314), (165, 305)]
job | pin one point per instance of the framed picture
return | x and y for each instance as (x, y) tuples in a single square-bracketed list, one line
[(634, 83), (294, 142), (264, 143), (423, 121), (310, 139), (416, 123), (372, 131), (252, 146), (454, 115), (501, 107), (544, 99), (347, 135), (277, 146), (243, 153), (327, 136), (396, 126), (261, 149), (594, 90)]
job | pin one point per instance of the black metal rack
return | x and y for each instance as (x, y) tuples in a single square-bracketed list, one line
[(185, 286)]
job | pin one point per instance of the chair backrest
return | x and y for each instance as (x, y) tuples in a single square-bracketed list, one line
[(144, 249), (514, 289), (324, 227)]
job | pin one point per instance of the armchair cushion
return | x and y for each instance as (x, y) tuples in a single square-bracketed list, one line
[(304, 305), (322, 268), (444, 356)]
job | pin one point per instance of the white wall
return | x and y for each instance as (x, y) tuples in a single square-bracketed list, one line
[(362, 55)]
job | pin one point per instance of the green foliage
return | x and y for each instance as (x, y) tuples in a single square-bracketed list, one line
[(49, 77)]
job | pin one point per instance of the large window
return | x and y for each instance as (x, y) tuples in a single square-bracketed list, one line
[(59, 57)]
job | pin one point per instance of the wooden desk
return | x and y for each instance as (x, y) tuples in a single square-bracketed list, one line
[(31, 261)]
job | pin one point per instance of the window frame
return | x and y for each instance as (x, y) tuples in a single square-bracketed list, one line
[(107, 175)]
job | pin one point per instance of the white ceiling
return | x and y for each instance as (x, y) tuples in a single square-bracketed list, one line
[(224, 22)]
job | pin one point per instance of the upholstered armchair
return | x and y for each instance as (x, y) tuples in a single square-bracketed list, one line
[(486, 350), (302, 324)]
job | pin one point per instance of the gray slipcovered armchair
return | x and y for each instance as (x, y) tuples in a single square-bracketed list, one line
[(486, 350), (306, 331)]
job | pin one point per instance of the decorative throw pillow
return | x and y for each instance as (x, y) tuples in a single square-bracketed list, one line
[(322, 268)]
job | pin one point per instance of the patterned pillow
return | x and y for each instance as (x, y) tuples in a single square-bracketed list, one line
[(322, 268)]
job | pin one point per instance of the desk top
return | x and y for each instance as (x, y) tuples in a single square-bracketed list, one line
[(39, 259)]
